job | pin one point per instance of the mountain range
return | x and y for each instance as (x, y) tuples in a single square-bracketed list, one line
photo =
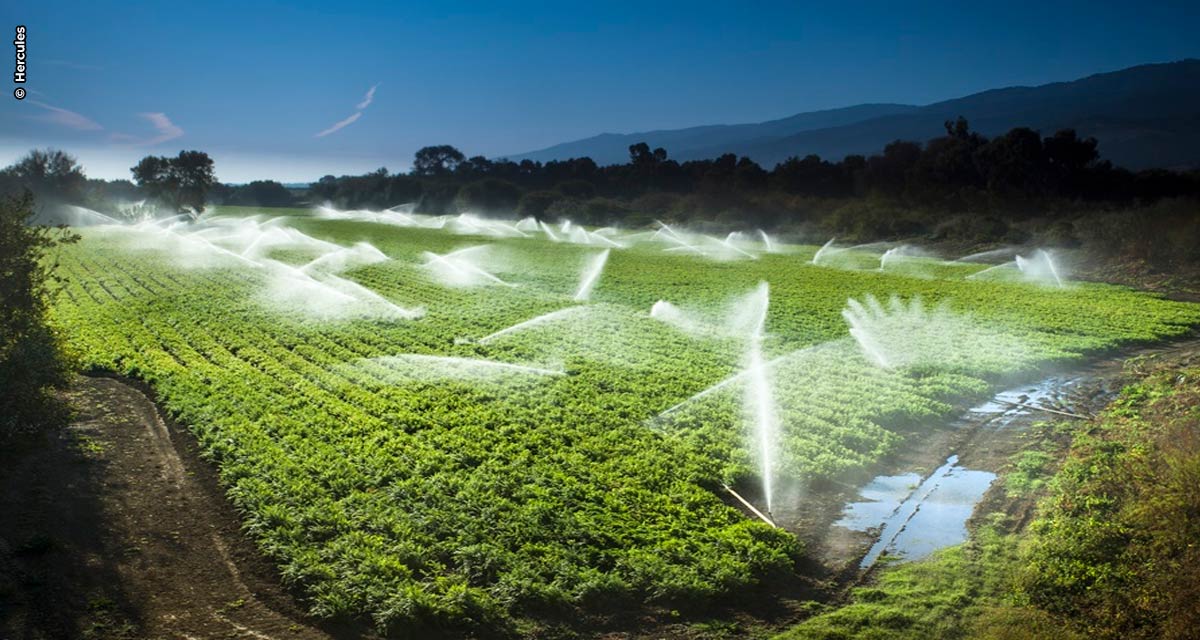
[(1145, 116)]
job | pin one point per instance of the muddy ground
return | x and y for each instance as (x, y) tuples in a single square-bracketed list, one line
[(114, 528)]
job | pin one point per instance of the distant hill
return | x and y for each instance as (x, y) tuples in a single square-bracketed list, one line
[(1144, 116), (693, 142)]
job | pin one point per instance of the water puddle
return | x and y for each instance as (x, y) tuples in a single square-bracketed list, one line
[(1056, 393), (909, 516), (914, 518)]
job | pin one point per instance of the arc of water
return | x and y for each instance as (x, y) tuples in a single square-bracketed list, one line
[(591, 275), (688, 248), (1012, 264), (1053, 269), (816, 259), (206, 243), (760, 397), (1005, 251), (462, 266), (361, 293), (549, 232), (607, 241), (84, 211), (545, 317), (467, 362), (890, 254), (730, 245), (767, 243)]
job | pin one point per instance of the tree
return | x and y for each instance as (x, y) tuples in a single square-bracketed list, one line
[(51, 175), (194, 170), (437, 199), (576, 189), (475, 166), (32, 359), (1066, 150), (958, 128), (261, 193), (403, 190), (814, 176), (537, 203), (1070, 160), (324, 189), (888, 172), (181, 182), (489, 195), (947, 168), (1014, 164), (749, 175), (153, 174), (640, 154), (437, 160)]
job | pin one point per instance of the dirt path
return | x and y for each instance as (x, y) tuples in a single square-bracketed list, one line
[(114, 528)]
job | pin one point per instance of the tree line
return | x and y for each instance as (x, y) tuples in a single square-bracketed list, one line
[(1017, 173), (907, 188)]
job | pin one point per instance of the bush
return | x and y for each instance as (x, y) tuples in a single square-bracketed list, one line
[(32, 359), (603, 212), (875, 219), (1164, 236), (489, 195), (976, 230), (536, 204), (1114, 551), (581, 189)]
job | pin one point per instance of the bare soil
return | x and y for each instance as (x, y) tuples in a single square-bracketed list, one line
[(114, 528)]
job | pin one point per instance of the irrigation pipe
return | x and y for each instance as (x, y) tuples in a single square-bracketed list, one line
[(749, 506), (1037, 408)]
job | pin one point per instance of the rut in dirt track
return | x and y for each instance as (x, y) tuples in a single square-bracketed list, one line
[(109, 531)]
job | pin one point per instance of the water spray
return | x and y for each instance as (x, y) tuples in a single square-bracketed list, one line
[(591, 275)]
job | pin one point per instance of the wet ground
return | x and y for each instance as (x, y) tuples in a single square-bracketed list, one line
[(914, 520), (926, 495)]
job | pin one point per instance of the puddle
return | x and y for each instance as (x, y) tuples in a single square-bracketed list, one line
[(1057, 392), (914, 518), (881, 497), (909, 516)]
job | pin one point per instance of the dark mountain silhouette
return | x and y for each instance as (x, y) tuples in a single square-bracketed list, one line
[(1144, 116), (613, 148)]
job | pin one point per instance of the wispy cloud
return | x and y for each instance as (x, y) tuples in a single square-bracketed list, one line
[(65, 118), (368, 98), (339, 124), (166, 129), (366, 102)]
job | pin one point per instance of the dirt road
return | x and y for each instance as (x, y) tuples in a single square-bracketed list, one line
[(114, 528)]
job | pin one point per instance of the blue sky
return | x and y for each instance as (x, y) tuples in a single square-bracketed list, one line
[(253, 83)]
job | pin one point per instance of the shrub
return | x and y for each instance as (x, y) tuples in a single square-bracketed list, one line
[(32, 359)]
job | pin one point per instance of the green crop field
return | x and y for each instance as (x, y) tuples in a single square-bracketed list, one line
[(405, 460)]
